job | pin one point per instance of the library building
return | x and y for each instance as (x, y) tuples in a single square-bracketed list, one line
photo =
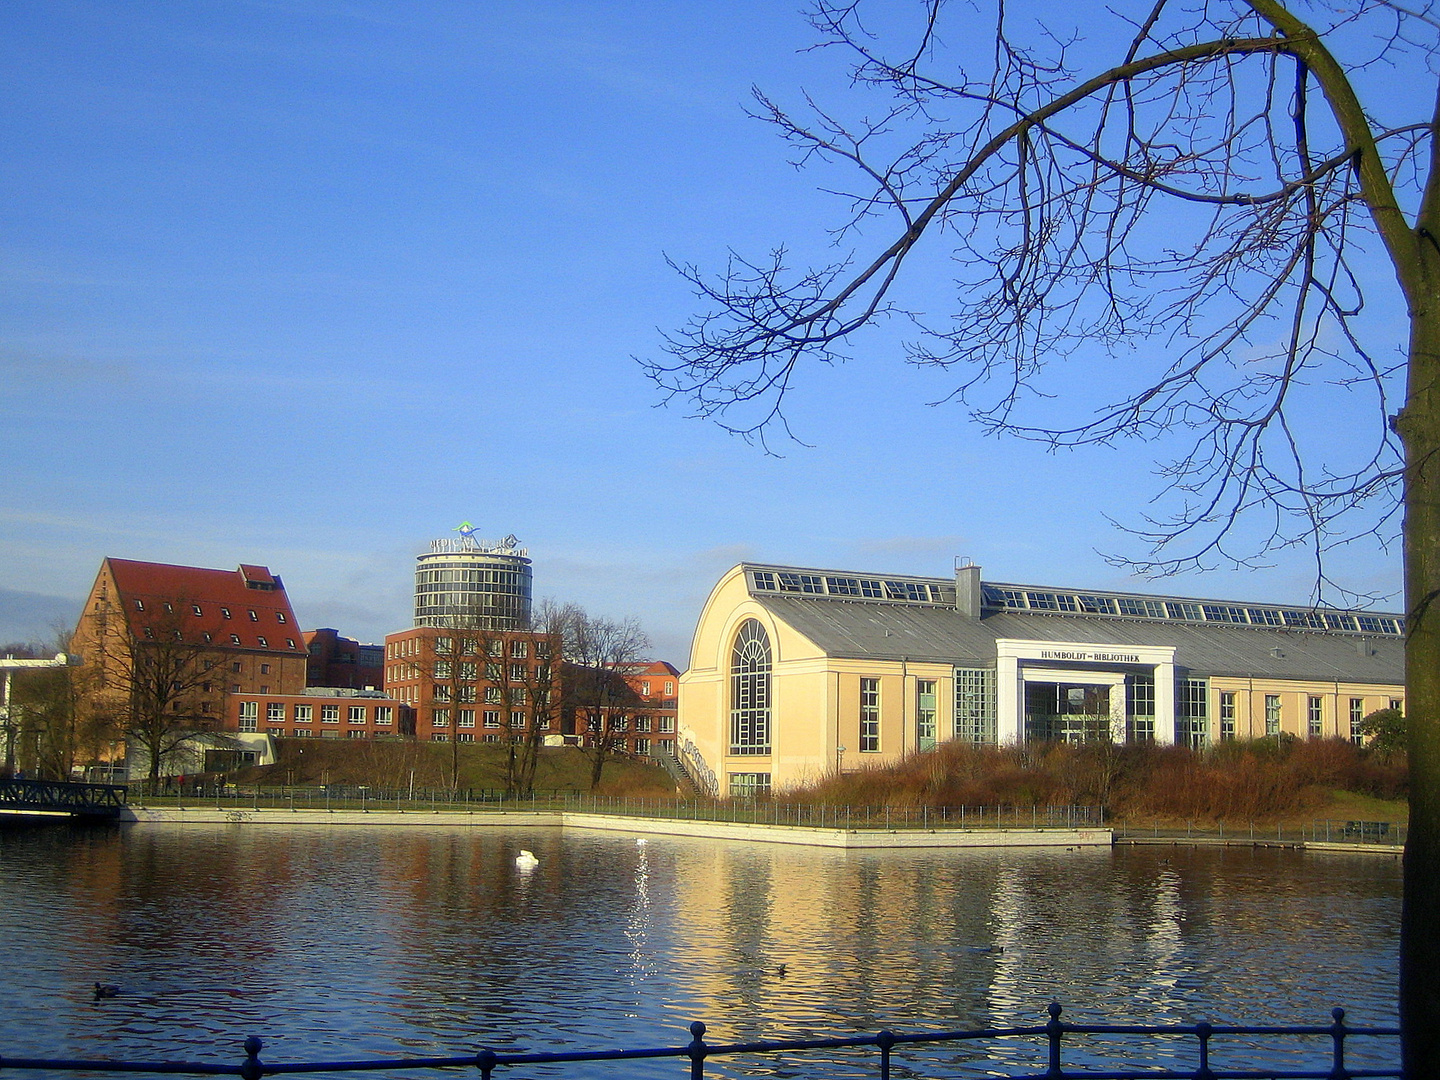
[(796, 673)]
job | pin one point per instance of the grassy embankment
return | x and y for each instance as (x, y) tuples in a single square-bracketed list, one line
[(402, 766), (1265, 781)]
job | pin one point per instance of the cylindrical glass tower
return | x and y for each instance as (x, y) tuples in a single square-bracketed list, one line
[(469, 582)]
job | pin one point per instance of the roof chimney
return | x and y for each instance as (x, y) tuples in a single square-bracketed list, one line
[(967, 588)]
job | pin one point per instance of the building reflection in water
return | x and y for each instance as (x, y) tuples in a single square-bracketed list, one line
[(407, 939)]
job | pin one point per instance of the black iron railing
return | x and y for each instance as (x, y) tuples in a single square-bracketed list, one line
[(1047, 1041), (61, 797)]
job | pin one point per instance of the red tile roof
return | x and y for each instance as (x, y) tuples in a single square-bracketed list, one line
[(245, 608)]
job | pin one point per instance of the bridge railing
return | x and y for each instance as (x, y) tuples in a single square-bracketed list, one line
[(62, 796), (1209, 1056)]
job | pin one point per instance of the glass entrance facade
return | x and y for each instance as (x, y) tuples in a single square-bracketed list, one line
[(1066, 712)]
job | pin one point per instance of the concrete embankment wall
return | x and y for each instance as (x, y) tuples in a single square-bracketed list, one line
[(720, 830)]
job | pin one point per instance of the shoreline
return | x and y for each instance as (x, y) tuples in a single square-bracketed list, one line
[(799, 835), (806, 836)]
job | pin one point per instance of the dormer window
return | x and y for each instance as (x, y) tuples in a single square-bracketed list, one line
[(225, 611), (234, 639), (139, 605), (280, 616), (253, 616), (196, 609), (263, 643)]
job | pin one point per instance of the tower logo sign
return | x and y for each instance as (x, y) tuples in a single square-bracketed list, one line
[(468, 543)]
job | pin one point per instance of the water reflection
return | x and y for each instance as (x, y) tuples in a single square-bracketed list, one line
[(370, 941)]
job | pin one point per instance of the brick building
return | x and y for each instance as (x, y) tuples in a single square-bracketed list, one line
[(241, 618), (320, 713), (343, 662), (475, 685), (639, 707)]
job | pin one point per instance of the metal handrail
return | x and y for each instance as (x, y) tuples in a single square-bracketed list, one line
[(698, 1052)]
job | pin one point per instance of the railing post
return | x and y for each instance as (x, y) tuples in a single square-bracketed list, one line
[(697, 1051), (1202, 1032), (885, 1040), (1337, 1034), (1053, 1031), (485, 1062), (252, 1069)]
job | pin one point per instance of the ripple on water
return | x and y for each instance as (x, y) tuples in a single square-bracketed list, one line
[(371, 941)]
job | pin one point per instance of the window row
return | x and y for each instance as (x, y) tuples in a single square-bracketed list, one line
[(1016, 599), (304, 713)]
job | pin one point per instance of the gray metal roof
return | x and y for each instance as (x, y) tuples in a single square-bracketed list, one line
[(891, 631)]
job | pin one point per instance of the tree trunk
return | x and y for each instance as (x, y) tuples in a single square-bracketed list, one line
[(1419, 426)]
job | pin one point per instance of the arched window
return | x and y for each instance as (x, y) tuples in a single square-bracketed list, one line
[(750, 690)]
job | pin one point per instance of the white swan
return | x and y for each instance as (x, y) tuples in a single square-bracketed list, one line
[(526, 860)]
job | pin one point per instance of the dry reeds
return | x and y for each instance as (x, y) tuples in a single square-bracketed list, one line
[(1266, 778)]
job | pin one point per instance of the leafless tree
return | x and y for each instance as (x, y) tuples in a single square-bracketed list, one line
[(1206, 192), (600, 654), (162, 690), (539, 683)]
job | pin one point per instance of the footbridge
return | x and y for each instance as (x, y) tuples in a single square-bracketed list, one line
[(50, 798)]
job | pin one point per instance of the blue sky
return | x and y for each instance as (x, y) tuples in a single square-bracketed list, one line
[(308, 284)]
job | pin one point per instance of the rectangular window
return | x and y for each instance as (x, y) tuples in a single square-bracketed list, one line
[(468, 670), (440, 692), (749, 785), (442, 669), (304, 713), (642, 746), (442, 645), (1227, 715), (869, 716), (329, 714), (249, 715), (667, 724), (1192, 709), (1397, 704), (517, 719), (517, 672), (464, 736), (492, 695), (925, 711), (465, 718), (975, 705), (1140, 704), (303, 733), (1315, 715), (1272, 714), (492, 717), (440, 718), (518, 650), (384, 714), (264, 668), (1357, 716), (275, 712), (357, 714)]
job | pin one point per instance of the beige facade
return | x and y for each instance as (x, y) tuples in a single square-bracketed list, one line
[(862, 669)]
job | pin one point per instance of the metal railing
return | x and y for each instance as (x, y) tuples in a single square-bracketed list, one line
[(1386, 834), (1209, 1056), (62, 796), (351, 797)]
